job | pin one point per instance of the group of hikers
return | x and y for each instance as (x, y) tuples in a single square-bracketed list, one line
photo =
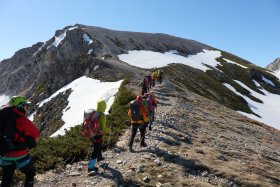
[(150, 79), (141, 112), (19, 135)]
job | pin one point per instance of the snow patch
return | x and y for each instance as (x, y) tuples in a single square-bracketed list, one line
[(87, 39), (268, 81), (150, 59), (39, 49), (85, 94), (232, 62), (61, 37), (256, 83), (89, 51), (267, 110), (4, 99), (57, 40)]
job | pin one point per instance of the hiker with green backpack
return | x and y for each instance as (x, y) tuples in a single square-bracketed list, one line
[(139, 119), (17, 138), (94, 127)]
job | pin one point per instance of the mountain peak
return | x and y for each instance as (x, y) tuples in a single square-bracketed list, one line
[(275, 65)]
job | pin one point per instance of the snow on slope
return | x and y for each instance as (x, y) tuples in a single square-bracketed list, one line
[(269, 110), (85, 94), (150, 59)]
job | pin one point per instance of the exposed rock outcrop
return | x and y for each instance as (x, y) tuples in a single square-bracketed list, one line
[(274, 66)]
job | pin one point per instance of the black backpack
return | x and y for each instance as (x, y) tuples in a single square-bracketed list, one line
[(135, 109), (7, 130)]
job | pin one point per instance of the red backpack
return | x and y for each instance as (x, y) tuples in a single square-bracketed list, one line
[(91, 123)]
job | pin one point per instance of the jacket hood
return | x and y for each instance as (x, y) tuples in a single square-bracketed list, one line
[(101, 106)]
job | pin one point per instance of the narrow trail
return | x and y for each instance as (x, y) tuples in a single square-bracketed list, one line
[(193, 142), (120, 166)]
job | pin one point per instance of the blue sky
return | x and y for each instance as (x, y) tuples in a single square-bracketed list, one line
[(247, 28)]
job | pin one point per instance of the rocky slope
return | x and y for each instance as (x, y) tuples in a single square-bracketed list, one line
[(194, 142), (274, 66)]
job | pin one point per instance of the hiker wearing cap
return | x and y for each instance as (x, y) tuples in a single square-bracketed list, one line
[(94, 127), (139, 118), (24, 136)]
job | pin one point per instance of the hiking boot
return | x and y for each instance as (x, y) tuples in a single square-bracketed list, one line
[(104, 165), (95, 169), (130, 149), (143, 145)]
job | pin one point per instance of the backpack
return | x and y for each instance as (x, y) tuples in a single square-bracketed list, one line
[(135, 110), (7, 130), (91, 123)]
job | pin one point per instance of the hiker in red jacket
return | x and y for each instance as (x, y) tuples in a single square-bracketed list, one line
[(25, 136)]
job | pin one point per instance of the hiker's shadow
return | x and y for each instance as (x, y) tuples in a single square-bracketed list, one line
[(112, 174), (163, 98), (177, 140), (164, 104), (189, 165)]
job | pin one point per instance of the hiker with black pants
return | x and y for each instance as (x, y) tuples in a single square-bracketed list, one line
[(94, 128), (24, 138), (144, 86), (139, 120)]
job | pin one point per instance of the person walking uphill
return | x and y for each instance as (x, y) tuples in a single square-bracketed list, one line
[(24, 135), (94, 127), (139, 118)]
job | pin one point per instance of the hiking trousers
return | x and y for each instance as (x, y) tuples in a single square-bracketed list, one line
[(25, 165), (97, 150), (142, 129)]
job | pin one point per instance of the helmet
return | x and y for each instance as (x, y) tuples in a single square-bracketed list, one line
[(17, 100)]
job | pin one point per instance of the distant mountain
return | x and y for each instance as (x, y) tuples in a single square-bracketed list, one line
[(275, 65)]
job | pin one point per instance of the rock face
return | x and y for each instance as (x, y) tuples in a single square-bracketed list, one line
[(274, 66)]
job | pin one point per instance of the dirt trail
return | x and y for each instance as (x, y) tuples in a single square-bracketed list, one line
[(194, 142), (120, 166)]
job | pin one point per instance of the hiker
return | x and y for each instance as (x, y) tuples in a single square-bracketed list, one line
[(24, 136), (95, 127), (160, 76), (154, 77), (139, 118), (146, 105), (154, 101), (151, 109), (149, 81), (144, 86)]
